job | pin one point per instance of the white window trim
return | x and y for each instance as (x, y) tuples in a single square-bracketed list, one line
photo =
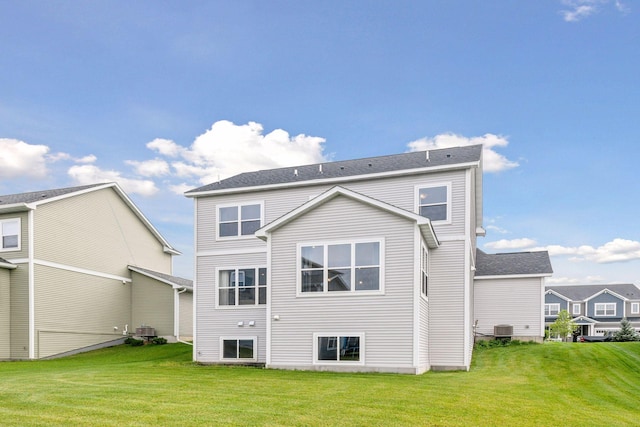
[(575, 308), (239, 360), (417, 189), (317, 335), (635, 308), (238, 205), (424, 248), (19, 247), (553, 304), (352, 292), (604, 308), (236, 306)]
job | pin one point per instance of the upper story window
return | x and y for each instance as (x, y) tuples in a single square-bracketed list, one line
[(239, 220), (635, 308), (605, 309), (340, 267), (10, 233), (576, 308), (551, 309), (434, 202), (242, 286)]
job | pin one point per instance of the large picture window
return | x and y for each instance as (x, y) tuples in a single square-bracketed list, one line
[(239, 220), (242, 286), (238, 349), (10, 234), (336, 348), (340, 267), (605, 309), (551, 309), (433, 202)]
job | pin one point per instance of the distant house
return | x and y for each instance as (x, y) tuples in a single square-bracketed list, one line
[(82, 267), (357, 265), (596, 309), (509, 291)]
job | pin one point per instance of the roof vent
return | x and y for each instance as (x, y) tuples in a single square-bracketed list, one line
[(295, 172), (320, 168), (427, 155)]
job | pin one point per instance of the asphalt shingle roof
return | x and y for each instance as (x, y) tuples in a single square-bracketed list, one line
[(167, 277), (36, 196), (582, 292), (348, 168), (514, 263)]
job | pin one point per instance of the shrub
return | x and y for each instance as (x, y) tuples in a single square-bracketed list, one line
[(626, 332), (159, 341), (134, 342)]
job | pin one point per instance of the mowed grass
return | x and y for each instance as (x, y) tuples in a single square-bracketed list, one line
[(594, 384)]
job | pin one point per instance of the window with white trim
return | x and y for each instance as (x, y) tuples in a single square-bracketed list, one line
[(551, 309), (241, 349), (239, 220), (338, 348), (605, 309), (635, 308), (576, 308), (424, 271), (340, 267), (10, 234), (433, 201), (242, 286)]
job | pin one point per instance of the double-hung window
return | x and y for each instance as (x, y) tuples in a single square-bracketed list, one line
[(635, 308), (242, 286), (10, 234), (239, 220), (576, 309), (434, 202), (340, 267), (605, 309), (551, 309), (338, 348)]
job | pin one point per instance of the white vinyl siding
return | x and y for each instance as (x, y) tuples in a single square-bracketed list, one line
[(510, 301), (389, 336), (147, 297)]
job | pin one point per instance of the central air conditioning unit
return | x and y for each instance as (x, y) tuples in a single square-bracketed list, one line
[(503, 331)]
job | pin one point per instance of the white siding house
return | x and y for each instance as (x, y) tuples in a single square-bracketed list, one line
[(359, 265)]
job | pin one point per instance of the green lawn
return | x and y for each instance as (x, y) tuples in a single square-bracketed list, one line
[(594, 384)]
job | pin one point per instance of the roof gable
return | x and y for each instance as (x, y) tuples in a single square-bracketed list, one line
[(586, 292), (174, 281), (423, 223)]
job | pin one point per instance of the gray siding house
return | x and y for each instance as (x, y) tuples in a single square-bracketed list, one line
[(78, 271), (358, 265), (596, 309)]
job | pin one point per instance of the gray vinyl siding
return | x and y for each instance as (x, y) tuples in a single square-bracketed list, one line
[(554, 299), (510, 301), (75, 310), (5, 314), (398, 191), (19, 298), (96, 231), (214, 323), (385, 320), (446, 305), (24, 236), (153, 305), (186, 315)]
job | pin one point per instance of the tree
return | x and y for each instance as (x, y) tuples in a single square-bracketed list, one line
[(564, 325), (626, 332)]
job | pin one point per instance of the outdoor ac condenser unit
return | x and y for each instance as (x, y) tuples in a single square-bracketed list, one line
[(503, 331)]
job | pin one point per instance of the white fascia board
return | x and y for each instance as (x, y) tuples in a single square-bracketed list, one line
[(559, 295), (607, 291), (401, 172), (518, 276), (17, 207), (159, 279)]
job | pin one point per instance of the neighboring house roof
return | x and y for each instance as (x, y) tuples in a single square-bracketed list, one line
[(176, 282), (370, 167), (585, 292), (29, 201), (513, 264), (423, 223), (6, 264)]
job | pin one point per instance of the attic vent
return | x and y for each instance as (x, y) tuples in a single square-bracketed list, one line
[(503, 331), (295, 172)]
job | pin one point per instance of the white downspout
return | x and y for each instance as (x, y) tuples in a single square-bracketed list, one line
[(32, 287)]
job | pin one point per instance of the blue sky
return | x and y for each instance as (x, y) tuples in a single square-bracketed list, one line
[(167, 96)]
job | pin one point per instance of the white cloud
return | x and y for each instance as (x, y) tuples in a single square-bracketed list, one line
[(90, 174), (180, 189), (492, 161), (497, 229), (617, 250), (228, 149), (17, 158), (149, 168), (580, 9), (66, 156), (510, 244)]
